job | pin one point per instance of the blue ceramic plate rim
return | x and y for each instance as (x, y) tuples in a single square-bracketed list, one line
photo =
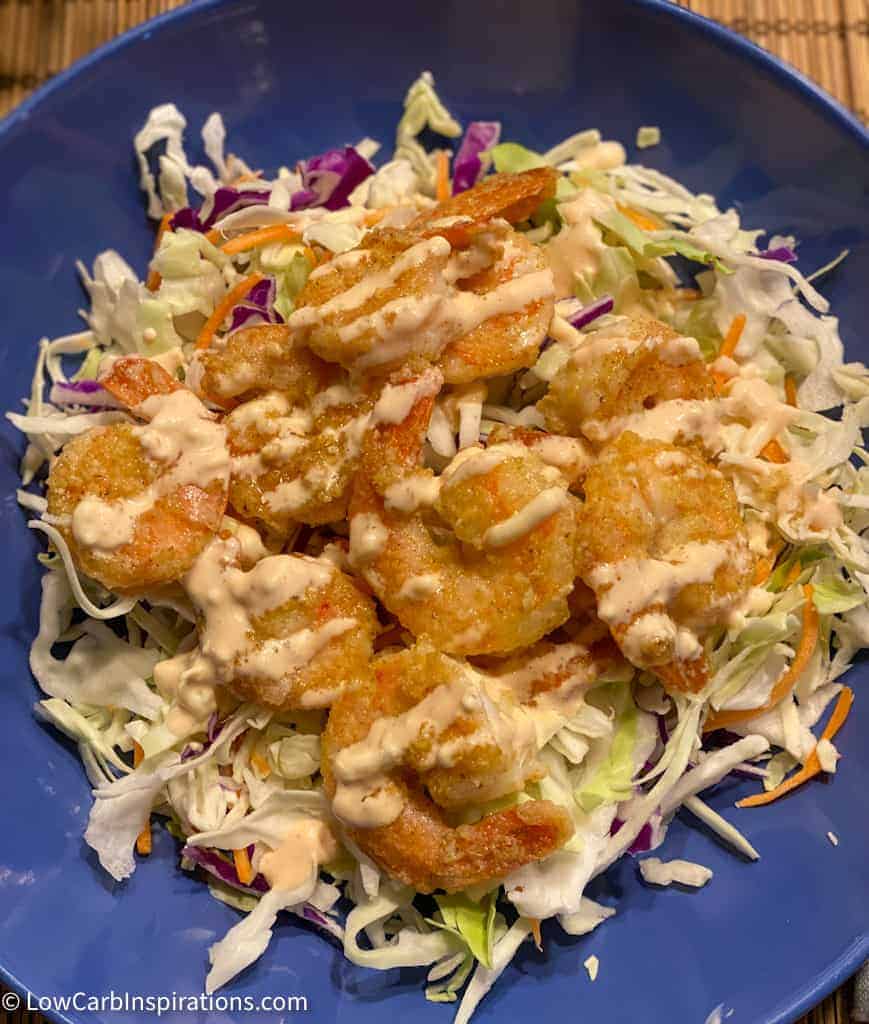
[(852, 958)]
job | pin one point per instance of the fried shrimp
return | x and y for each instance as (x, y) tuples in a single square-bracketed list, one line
[(291, 632), (428, 732), (478, 559), (374, 305), (664, 548), (249, 362), (295, 465), (623, 370), (480, 312), (137, 504), (571, 456), (504, 342), (509, 197)]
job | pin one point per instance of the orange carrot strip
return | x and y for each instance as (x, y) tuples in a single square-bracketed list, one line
[(143, 840), (793, 573), (791, 391), (223, 308), (243, 867), (214, 236), (152, 282), (772, 451), (762, 571), (642, 220), (260, 237), (253, 176), (442, 187), (261, 765), (728, 347), (805, 650), (535, 931), (376, 216), (812, 767)]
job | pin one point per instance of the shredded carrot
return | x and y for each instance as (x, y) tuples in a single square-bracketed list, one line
[(791, 391), (143, 840), (793, 573), (260, 237), (152, 282), (243, 867), (375, 216), (535, 931), (442, 187), (680, 294), (223, 308), (805, 650), (762, 571), (728, 347), (812, 767), (252, 176), (772, 451), (642, 220), (214, 236), (261, 765)]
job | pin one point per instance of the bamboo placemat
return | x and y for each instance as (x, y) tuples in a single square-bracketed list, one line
[(826, 39)]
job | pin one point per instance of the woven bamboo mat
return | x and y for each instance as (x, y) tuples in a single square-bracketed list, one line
[(826, 39)]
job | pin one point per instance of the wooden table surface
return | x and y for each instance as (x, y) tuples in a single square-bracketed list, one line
[(828, 40)]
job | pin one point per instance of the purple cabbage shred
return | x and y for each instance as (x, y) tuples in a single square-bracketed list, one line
[(583, 317), (329, 178), (468, 165), (217, 865), (781, 254)]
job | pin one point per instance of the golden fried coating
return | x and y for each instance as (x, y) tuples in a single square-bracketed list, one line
[(479, 560), (162, 506), (254, 360), (419, 846), (626, 369), (662, 544)]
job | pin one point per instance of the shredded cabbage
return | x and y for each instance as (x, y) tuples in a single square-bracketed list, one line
[(630, 756)]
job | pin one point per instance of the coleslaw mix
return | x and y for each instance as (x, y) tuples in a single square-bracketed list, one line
[(625, 763)]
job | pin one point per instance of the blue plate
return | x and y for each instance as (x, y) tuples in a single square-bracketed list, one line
[(767, 940)]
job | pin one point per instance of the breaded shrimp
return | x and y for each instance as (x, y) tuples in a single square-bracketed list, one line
[(628, 368), (663, 546), (427, 730), (505, 342), (249, 362), (481, 313), (571, 456), (295, 464), (385, 293), (477, 560), (510, 197), (137, 504), (291, 632)]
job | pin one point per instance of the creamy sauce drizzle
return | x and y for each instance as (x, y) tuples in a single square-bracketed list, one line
[(184, 437), (576, 250), (416, 588), (635, 584), (412, 493), (367, 797), (539, 509), (368, 537), (307, 844), (230, 599)]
